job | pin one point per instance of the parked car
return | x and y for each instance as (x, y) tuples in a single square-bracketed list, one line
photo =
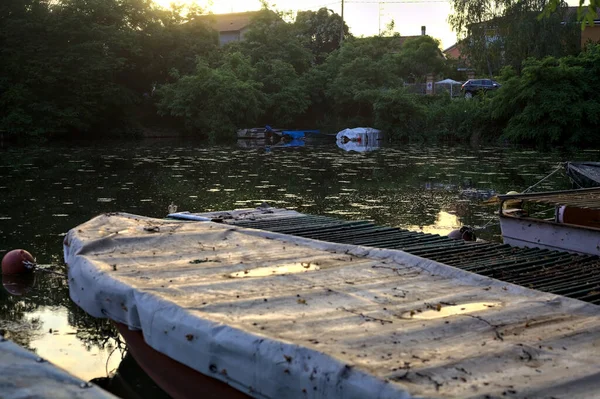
[(474, 86)]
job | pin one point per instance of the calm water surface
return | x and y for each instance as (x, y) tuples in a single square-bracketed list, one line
[(48, 190)]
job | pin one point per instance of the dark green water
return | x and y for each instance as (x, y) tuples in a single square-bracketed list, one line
[(45, 191)]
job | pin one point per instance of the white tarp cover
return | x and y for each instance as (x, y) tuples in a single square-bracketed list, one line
[(287, 317), (447, 82), (358, 133), (24, 374)]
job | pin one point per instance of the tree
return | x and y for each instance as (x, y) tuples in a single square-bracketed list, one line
[(286, 99), (420, 56), (214, 101), (270, 38), (553, 102), (321, 30), (351, 77), (44, 88), (586, 13)]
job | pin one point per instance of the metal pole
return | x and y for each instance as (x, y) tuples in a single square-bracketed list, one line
[(379, 18), (342, 29)]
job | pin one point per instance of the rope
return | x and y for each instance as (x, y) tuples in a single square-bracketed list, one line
[(34, 266), (488, 224), (560, 166)]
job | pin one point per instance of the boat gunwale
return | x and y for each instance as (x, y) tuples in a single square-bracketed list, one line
[(549, 222), (524, 196)]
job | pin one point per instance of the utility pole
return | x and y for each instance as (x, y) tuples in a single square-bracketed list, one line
[(379, 20), (342, 28)]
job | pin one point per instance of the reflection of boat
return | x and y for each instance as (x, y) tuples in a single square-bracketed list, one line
[(18, 284), (584, 174), (289, 143), (253, 143), (359, 146), (575, 226), (130, 381)]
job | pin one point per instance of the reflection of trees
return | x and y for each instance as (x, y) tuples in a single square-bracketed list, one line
[(13, 323), (50, 291), (93, 332)]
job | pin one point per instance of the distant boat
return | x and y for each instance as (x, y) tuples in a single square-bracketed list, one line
[(297, 134), (575, 226), (257, 133), (268, 132), (584, 174), (360, 134)]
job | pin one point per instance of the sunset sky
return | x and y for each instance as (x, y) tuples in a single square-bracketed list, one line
[(362, 16)]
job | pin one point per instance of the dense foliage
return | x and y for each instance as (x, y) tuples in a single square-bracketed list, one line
[(90, 68), (554, 101)]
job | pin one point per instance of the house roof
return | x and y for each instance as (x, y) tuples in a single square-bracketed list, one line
[(231, 22), (450, 48)]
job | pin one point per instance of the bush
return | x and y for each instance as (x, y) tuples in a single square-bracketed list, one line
[(553, 102)]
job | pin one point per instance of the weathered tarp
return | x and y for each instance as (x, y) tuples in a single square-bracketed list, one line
[(284, 317), (23, 374), (359, 133)]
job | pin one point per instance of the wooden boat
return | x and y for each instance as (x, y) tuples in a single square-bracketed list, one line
[(260, 133), (276, 316), (583, 174), (573, 227)]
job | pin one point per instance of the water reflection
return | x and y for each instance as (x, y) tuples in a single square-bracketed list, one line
[(359, 146), (36, 313), (18, 284), (61, 342), (49, 190), (444, 223), (130, 382)]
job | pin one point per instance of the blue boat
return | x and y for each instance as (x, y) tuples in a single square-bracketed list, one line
[(297, 134)]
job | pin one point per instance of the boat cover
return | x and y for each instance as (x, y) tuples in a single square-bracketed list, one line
[(278, 316), (584, 174), (23, 374), (357, 133)]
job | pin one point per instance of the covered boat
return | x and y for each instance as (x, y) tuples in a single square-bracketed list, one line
[(277, 316), (573, 225), (362, 134), (584, 174)]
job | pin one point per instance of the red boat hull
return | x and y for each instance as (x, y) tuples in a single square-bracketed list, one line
[(177, 379)]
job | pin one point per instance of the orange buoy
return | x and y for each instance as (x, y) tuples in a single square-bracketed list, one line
[(15, 262)]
